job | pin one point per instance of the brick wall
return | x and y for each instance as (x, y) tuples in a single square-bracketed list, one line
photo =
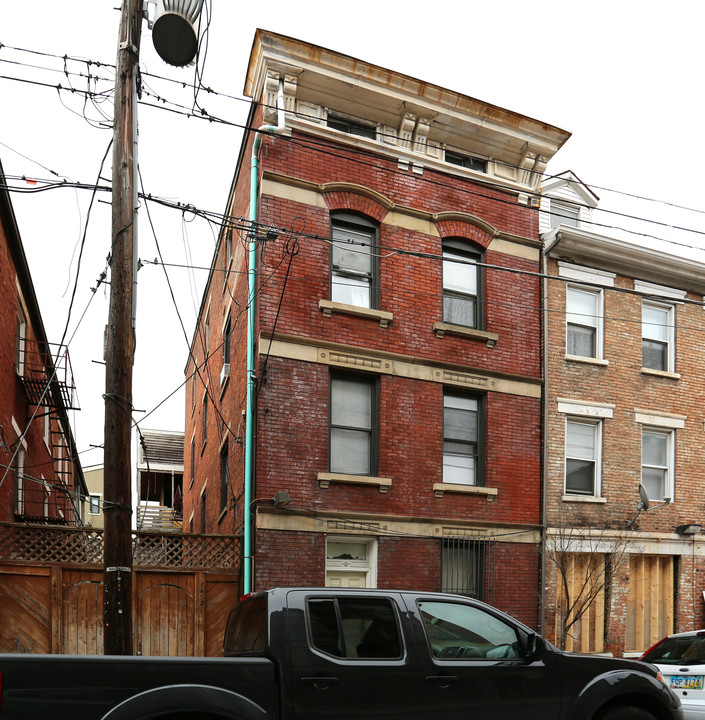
[(621, 383), (293, 394)]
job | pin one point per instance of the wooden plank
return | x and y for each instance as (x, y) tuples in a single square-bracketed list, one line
[(639, 585), (25, 599), (165, 614), (221, 593), (55, 610), (655, 600), (599, 623), (59, 608), (669, 600)]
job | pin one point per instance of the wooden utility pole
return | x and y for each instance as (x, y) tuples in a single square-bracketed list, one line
[(120, 345)]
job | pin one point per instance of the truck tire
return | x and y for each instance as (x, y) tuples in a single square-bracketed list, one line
[(626, 713)]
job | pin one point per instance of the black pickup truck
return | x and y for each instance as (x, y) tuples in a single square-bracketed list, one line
[(324, 654)]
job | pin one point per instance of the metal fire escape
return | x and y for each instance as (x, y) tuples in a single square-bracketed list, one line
[(45, 374)]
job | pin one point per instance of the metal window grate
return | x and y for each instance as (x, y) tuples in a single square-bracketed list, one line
[(468, 566)]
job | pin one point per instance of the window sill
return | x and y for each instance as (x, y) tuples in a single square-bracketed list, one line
[(586, 360), (325, 479), (584, 499), (439, 489), (660, 373), (328, 307), (441, 328)]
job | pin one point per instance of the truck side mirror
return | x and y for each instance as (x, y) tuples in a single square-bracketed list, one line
[(535, 646)]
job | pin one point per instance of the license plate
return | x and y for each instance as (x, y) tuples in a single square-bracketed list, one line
[(687, 682)]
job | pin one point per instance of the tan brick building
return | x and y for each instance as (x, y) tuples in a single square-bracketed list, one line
[(624, 363)]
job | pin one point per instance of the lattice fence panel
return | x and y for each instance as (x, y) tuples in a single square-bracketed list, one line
[(50, 544), (45, 544)]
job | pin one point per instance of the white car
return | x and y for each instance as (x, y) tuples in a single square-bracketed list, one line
[(681, 660)]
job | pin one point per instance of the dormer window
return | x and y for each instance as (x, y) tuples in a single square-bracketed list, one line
[(563, 213), (352, 127), (466, 161)]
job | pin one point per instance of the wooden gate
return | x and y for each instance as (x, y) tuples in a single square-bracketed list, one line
[(183, 588), (26, 602)]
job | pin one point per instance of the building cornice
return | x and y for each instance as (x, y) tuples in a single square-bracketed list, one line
[(414, 115), (591, 249)]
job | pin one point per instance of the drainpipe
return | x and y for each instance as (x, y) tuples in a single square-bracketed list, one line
[(544, 449), (251, 354)]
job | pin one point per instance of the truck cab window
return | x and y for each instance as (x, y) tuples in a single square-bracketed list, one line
[(354, 628), (246, 631), (458, 631)]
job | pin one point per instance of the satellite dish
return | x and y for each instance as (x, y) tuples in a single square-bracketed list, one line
[(174, 32), (644, 497)]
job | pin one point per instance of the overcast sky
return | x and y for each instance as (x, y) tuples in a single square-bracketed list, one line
[(624, 77)]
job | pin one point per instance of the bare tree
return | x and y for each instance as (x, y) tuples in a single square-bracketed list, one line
[(585, 559)]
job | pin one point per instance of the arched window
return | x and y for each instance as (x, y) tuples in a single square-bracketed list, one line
[(462, 285), (353, 261)]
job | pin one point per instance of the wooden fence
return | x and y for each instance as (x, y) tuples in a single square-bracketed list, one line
[(51, 591)]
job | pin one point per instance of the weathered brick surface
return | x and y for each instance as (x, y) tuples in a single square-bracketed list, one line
[(292, 395), (622, 383), (38, 465)]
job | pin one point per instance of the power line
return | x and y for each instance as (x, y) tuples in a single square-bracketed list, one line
[(299, 114)]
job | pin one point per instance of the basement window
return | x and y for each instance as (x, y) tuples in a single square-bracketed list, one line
[(466, 161), (352, 127)]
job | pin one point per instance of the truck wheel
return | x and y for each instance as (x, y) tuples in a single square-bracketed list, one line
[(626, 713)]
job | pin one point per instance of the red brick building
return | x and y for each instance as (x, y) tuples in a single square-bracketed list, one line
[(624, 409), (41, 480), (393, 425)]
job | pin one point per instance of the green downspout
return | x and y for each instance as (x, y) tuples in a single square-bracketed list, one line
[(251, 354)]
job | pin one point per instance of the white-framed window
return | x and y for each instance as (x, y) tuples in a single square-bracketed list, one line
[(657, 462), (94, 506), (657, 336), (564, 213), (47, 429), (21, 340), (204, 435), (227, 332), (583, 449), (354, 265), (353, 424), (584, 322), (461, 440), (46, 497), (20, 489), (351, 561)]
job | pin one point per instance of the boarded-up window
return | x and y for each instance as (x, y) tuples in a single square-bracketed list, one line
[(650, 604), (580, 611)]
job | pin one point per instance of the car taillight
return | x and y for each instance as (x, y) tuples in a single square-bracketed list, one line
[(653, 647)]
